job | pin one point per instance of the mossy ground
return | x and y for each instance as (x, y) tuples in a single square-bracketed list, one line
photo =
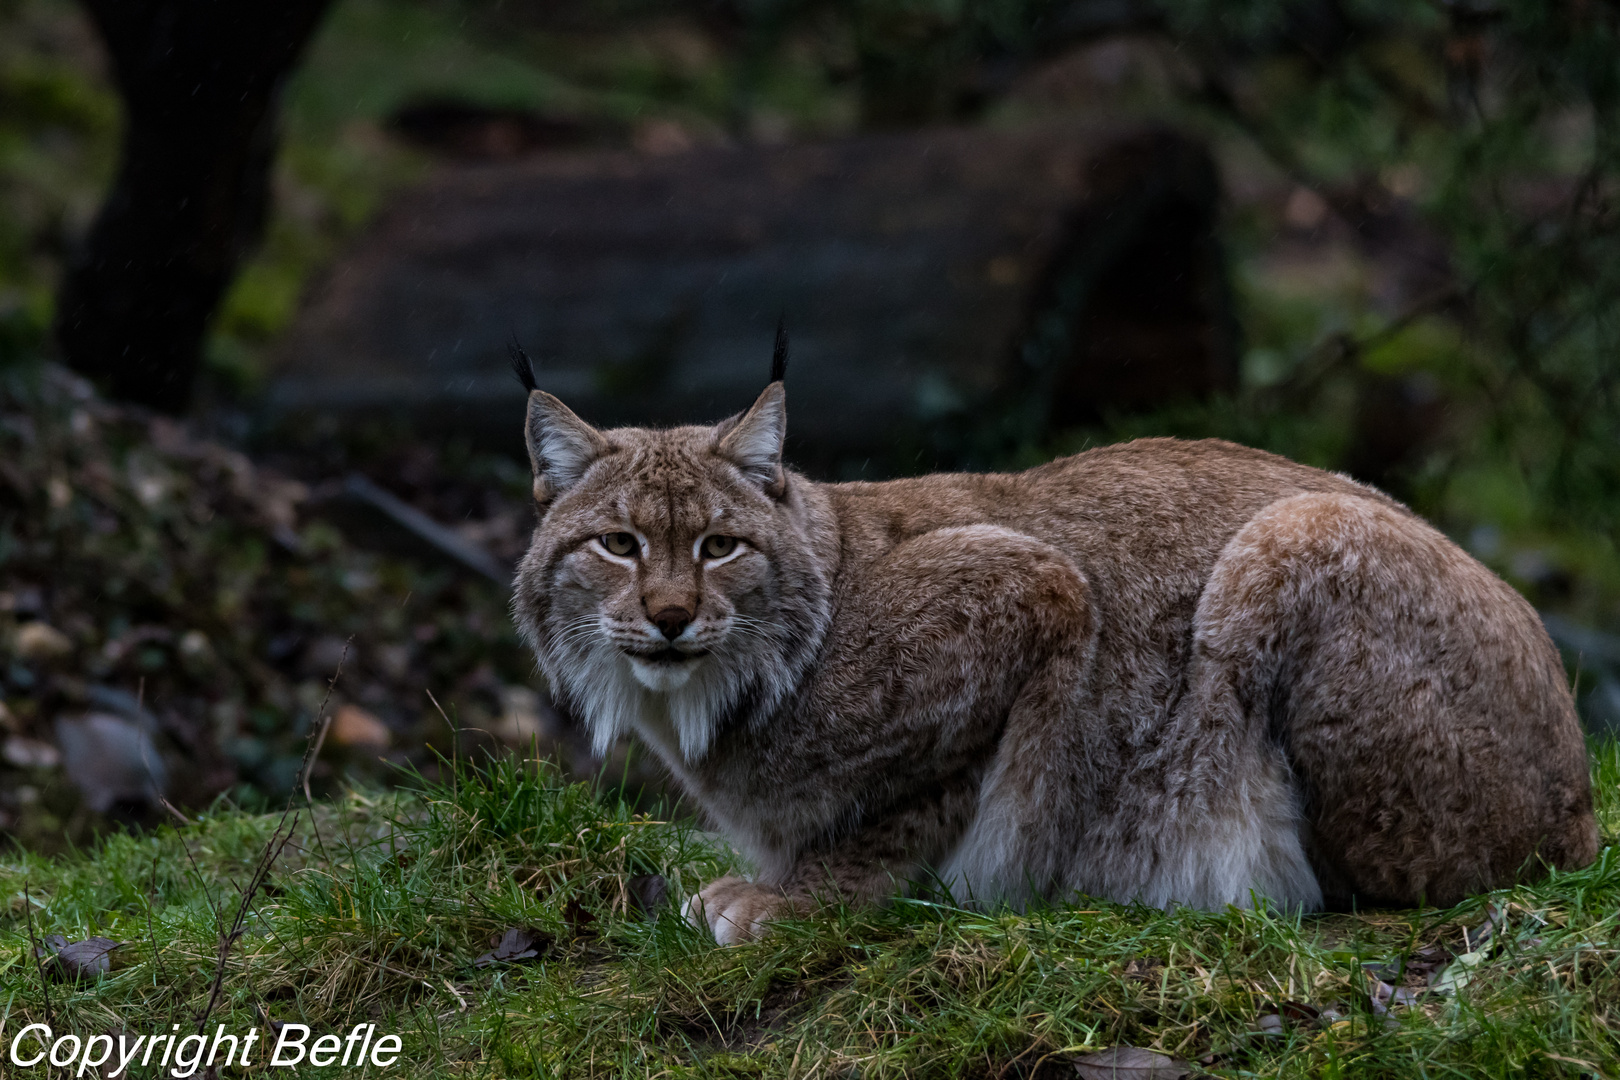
[(380, 914)]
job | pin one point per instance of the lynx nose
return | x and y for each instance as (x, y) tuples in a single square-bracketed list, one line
[(671, 621)]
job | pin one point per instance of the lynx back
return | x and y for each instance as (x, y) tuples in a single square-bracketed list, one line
[(1169, 672)]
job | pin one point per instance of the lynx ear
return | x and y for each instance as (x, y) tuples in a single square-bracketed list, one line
[(561, 445), (753, 441)]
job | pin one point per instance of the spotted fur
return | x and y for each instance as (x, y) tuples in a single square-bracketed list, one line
[(1169, 672)]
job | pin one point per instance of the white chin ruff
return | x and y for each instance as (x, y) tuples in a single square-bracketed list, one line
[(662, 678)]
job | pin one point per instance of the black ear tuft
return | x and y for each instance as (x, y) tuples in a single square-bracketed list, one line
[(522, 366), (779, 355)]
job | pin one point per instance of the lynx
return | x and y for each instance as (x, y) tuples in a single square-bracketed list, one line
[(1167, 672)]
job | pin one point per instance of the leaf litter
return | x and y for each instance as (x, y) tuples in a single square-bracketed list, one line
[(1132, 1063), (516, 945), (71, 961), (180, 602)]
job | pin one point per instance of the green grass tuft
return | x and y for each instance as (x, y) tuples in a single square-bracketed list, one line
[(381, 917)]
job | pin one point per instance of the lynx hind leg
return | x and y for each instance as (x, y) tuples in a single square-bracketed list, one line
[(1422, 708), (1004, 856), (1018, 841), (1068, 807), (1040, 658)]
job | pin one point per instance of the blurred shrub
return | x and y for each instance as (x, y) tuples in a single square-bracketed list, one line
[(1473, 147)]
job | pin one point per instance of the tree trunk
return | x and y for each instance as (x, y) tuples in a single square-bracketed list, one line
[(200, 81)]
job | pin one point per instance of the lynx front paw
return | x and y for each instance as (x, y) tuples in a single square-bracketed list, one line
[(735, 910)]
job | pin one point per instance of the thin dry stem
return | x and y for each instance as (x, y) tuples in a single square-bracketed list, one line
[(323, 722), (39, 961)]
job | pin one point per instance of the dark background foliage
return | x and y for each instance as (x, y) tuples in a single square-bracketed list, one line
[(1417, 226)]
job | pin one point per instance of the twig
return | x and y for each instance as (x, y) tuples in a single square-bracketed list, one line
[(170, 807), (312, 749), (39, 961), (323, 722), (390, 969), (261, 873), (1007, 1068), (448, 985), (273, 847), (1340, 348)]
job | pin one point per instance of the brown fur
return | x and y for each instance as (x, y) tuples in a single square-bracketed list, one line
[(1173, 672)]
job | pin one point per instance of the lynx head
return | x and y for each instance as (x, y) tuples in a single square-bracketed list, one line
[(676, 577)]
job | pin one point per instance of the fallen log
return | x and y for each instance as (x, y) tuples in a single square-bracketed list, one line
[(930, 280)]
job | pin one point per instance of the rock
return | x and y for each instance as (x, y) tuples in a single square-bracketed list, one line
[(24, 600), (354, 727), (111, 760), (393, 660), (196, 652), (30, 753), (122, 703), (42, 641)]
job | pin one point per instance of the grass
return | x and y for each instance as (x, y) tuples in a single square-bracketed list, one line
[(380, 915)]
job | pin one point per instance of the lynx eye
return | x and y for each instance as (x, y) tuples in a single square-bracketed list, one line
[(718, 547), (620, 544)]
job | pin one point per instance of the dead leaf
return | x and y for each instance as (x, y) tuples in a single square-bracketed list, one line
[(354, 726), (1591, 1068), (1379, 975), (74, 960), (1457, 974), (1298, 1012), (1143, 969), (1495, 919), (517, 945), (648, 892), (1382, 997), (1427, 962), (1130, 1063), (579, 920), (1275, 1019)]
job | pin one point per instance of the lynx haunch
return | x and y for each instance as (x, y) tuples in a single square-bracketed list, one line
[(1164, 671)]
